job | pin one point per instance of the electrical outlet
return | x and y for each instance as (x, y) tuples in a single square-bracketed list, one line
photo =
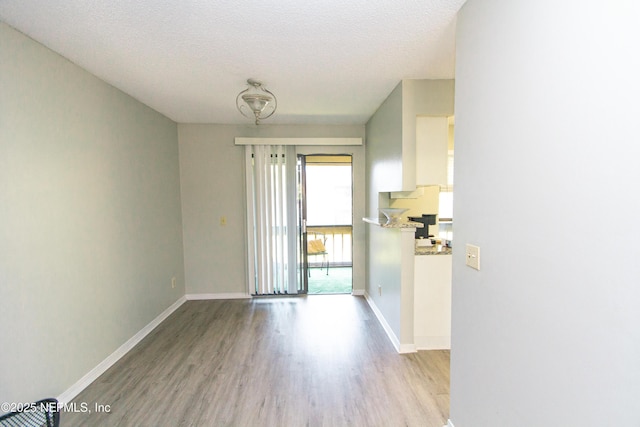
[(173, 282), (473, 256), (380, 290)]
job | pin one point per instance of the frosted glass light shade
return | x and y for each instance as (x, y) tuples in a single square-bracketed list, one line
[(256, 102)]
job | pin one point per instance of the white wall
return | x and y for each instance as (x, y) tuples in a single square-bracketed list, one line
[(547, 149), (90, 225), (212, 182)]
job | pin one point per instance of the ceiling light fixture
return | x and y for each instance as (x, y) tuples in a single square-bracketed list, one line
[(259, 103)]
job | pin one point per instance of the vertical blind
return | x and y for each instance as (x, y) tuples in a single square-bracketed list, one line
[(271, 219)]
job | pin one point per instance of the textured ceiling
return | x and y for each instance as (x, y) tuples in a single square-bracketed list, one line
[(327, 61)]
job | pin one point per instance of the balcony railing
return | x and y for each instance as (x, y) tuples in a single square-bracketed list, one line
[(338, 243)]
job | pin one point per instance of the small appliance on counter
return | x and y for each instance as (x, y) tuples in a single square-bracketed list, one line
[(427, 220)]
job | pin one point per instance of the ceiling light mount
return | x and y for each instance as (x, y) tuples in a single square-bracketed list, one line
[(259, 103)]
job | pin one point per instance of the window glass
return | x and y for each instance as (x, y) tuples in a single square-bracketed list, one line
[(329, 194)]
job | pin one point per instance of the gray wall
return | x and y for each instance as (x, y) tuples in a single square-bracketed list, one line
[(547, 149), (391, 166), (90, 221), (212, 180), (384, 150)]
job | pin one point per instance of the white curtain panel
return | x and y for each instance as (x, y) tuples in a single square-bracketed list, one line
[(271, 219)]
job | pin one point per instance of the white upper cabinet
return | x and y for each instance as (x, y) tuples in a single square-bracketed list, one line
[(432, 136)]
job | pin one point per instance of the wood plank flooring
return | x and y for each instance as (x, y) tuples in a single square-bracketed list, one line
[(299, 361)]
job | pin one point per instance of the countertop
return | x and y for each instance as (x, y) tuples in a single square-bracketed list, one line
[(432, 250), (400, 224), (419, 250)]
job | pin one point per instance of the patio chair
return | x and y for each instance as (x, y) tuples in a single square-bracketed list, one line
[(316, 247)]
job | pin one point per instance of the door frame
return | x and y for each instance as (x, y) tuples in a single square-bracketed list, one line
[(360, 197), (303, 258), (301, 165)]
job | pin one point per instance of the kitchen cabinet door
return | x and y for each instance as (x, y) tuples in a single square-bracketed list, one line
[(432, 135), (432, 302)]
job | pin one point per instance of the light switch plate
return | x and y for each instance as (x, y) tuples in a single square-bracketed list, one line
[(473, 256)]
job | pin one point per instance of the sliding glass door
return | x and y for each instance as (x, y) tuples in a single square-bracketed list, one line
[(326, 212), (303, 239), (298, 239)]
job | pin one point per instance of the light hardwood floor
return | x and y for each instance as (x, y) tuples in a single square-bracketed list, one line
[(299, 361)]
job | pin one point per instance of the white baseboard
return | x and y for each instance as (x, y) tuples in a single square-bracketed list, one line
[(433, 343), (400, 348), (387, 328), (449, 424), (407, 348), (358, 292), (68, 395), (238, 295)]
